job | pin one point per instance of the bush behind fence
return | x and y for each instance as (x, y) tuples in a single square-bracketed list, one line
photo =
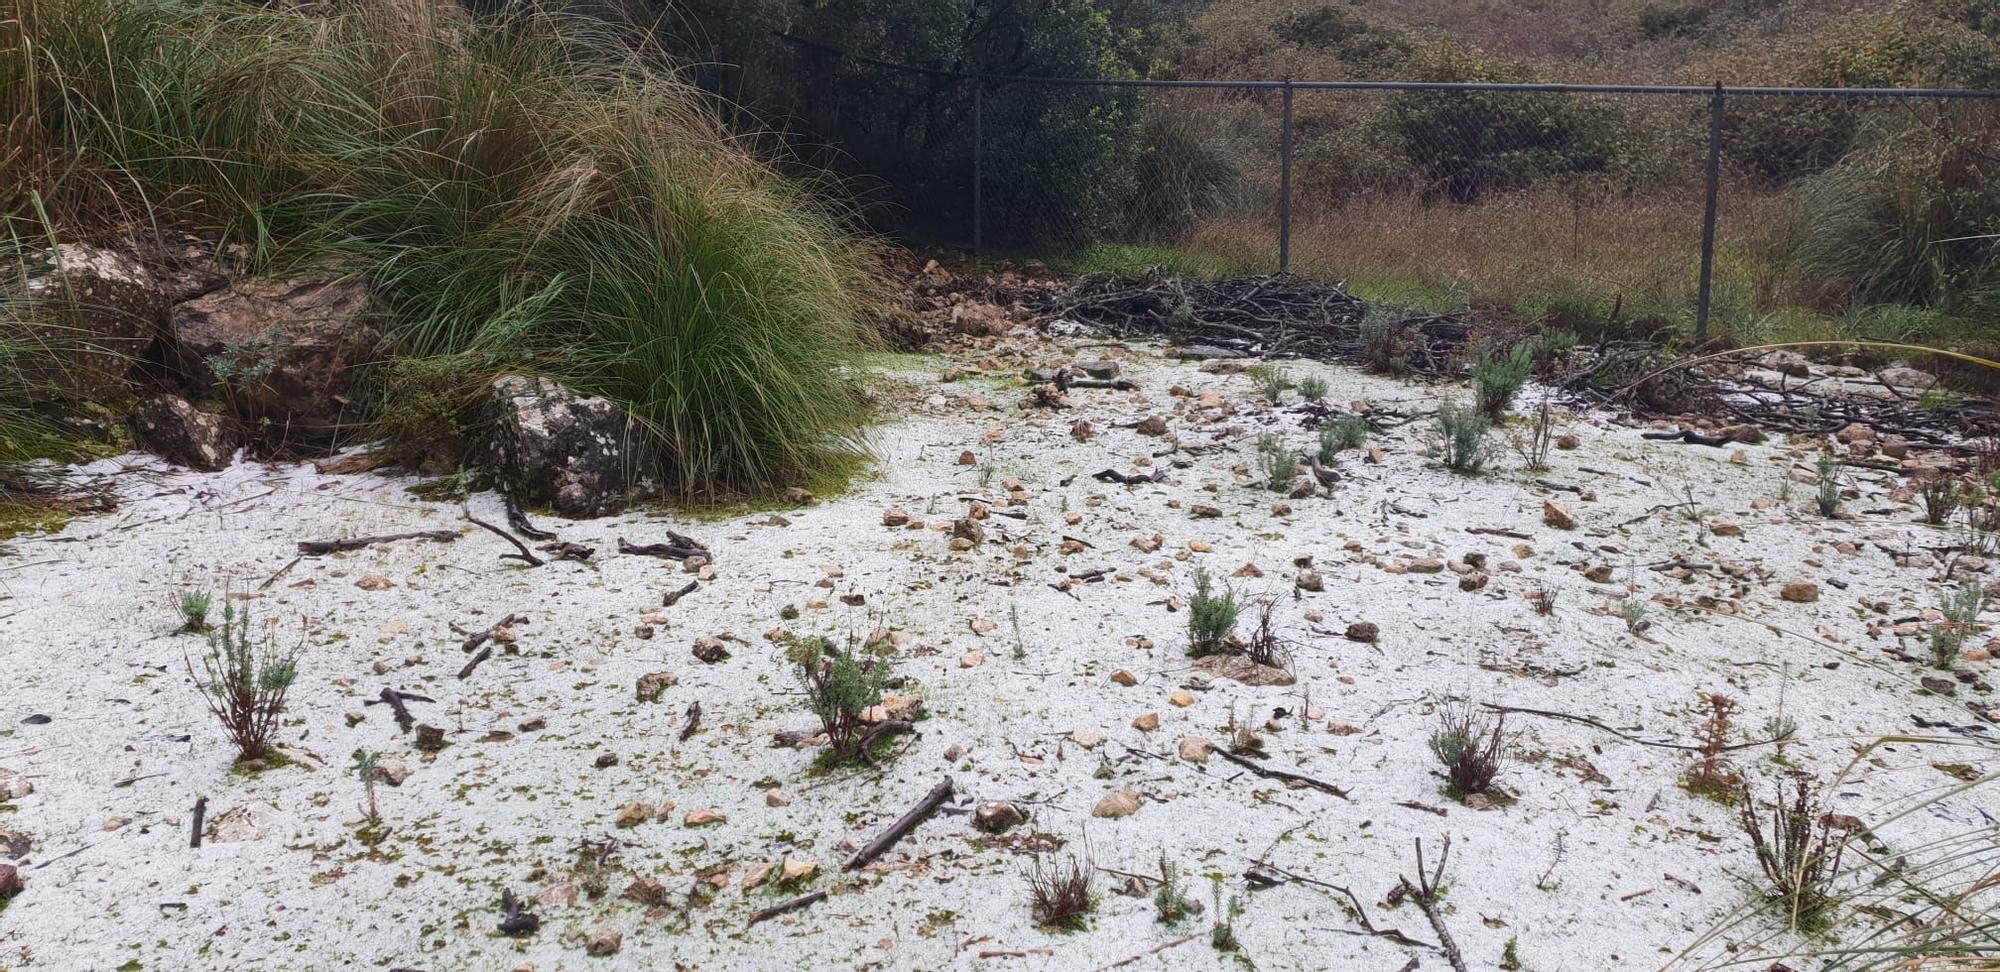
[(1861, 209)]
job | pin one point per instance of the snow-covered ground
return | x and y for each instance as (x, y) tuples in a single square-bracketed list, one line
[(1601, 860)]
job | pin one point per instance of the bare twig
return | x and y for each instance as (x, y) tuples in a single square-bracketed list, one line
[(903, 825)]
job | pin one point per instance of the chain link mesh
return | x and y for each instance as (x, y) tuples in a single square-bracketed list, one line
[(1576, 207)]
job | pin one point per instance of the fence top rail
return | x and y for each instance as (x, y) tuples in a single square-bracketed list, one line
[(1496, 86)]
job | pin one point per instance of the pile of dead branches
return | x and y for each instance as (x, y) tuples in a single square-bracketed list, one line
[(1277, 316)]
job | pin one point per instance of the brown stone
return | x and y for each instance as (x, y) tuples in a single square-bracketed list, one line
[(170, 427), (286, 350)]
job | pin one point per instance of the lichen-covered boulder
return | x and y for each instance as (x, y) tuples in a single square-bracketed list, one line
[(170, 427), (95, 312), (583, 456), (283, 353)]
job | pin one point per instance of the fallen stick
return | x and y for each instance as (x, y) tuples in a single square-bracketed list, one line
[(481, 637), (484, 653), (802, 901), (693, 720), (1114, 476), (903, 825), (1689, 437), (1425, 893), (673, 597), (525, 556), (518, 519), (889, 728), (1628, 737), (316, 547), (1155, 950), (1286, 775), (565, 550), (681, 548), (282, 571), (200, 814), (394, 700), (1501, 532)]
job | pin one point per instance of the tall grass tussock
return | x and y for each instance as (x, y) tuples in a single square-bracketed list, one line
[(529, 192)]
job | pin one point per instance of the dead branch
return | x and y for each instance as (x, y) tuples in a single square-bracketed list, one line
[(673, 597), (481, 637), (1285, 775), (1424, 892), (672, 551), (526, 556), (319, 547), (802, 901), (903, 825), (518, 519), (485, 652)]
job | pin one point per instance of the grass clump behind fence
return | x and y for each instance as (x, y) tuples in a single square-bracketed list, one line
[(536, 193)]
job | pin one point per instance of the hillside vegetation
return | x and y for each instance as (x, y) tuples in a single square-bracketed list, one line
[(1838, 218)]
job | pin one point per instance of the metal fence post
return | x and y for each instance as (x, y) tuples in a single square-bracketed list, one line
[(1708, 218), (1285, 185), (978, 163)]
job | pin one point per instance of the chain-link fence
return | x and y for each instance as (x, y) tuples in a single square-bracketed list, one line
[(1586, 202)]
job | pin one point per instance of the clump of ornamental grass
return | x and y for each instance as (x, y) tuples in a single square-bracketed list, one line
[(1340, 433), (1470, 749), (1533, 443), (840, 684), (1797, 853), (1458, 437), (1497, 376), (1940, 495), (535, 190), (1827, 499), (1961, 607), (1271, 381), (1384, 341), (1212, 615), (1277, 462), (244, 678), (193, 607)]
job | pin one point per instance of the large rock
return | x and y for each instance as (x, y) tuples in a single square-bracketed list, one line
[(582, 456), (170, 427), (282, 351), (98, 312)]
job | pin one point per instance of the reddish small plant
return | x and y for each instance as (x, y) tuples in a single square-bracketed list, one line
[(1059, 895), (1797, 852), (1470, 749), (1712, 774), (244, 681)]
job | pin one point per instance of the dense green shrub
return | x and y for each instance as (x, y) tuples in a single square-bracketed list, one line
[(1469, 144), (1909, 216), (536, 191), (1192, 165), (1362, 45)]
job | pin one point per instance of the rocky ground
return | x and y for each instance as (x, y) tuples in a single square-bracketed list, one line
[(1037, 612)]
